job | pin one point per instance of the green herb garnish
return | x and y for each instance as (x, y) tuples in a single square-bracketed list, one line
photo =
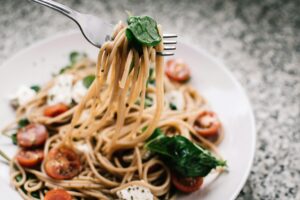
[(155, 135), (76, 56), (172, 106), (88, 80), (35, 194), (36, 88), (23, 122), (73, 57), (142, 29), (148, 102), (19, 178), (64, 69), (14, 139), (151, 78), (183, 156)]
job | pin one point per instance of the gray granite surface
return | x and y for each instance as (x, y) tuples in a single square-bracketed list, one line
[(259, 41)]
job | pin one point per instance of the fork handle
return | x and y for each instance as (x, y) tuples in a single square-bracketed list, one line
[(59, 7)]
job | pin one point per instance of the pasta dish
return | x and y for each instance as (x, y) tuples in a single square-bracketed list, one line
[(129, 126)]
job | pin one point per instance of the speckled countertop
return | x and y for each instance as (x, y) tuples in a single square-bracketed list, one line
[(259, 41)]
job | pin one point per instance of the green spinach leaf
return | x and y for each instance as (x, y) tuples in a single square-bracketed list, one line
[(172, 106), (148, 102), (73, 57), (36, 88), (64, 69), (88, 80), (35, 194), (142, 29), (183, 156), (76, 56), (19, 178), (14, 139), (23, 122)]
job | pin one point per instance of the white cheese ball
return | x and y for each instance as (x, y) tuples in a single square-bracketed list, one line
[(23, 95), (79, 91), (135, 193), (61, 92)]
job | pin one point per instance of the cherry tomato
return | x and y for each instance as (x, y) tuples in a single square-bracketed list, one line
[(177, 70), (30, 158), (187, 184), (57, 194), (55, 110), (32, 135), (62, 163), (207, 124)]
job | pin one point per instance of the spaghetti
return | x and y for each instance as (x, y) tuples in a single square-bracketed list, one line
[(108, 128)]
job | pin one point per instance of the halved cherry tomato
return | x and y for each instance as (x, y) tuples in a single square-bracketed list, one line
[(62, 163), (57, 194), (30, 158), (187, 184), (55, 110), (207, 124), (177, 70), (32, 135)]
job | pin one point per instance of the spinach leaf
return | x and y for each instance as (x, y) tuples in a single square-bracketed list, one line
[(14, 139), (35, 194), (19, 178), (142, 29), (144, 128), (88, 80), (148, 102), (76, 56), (156, 135), (64, 69), (36, 88), (151, 78), (23, 122), (172, 106), (181, 155)]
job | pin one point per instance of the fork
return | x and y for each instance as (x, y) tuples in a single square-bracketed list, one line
[(97, 31)]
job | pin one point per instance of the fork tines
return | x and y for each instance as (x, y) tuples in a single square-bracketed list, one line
[(169, 50)]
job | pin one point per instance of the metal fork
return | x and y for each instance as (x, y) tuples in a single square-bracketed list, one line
[(97, 31)]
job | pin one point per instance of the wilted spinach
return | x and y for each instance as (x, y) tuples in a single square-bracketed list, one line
[(183, 156), (23, 122), (76, 56), (14, 139), (36, 88), (73, 57), (143, 30), (88, 80)]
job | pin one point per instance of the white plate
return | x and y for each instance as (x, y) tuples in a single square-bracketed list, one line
[(35, 65)]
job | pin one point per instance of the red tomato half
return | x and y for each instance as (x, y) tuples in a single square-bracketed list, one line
[(30, 158), (177, 70), (57, 194), (187, 185), (62, 163), (55, 110), (32, 135), (207, 124)]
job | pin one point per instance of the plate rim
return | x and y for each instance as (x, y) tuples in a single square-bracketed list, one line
[(220, 64), (240, 88)]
